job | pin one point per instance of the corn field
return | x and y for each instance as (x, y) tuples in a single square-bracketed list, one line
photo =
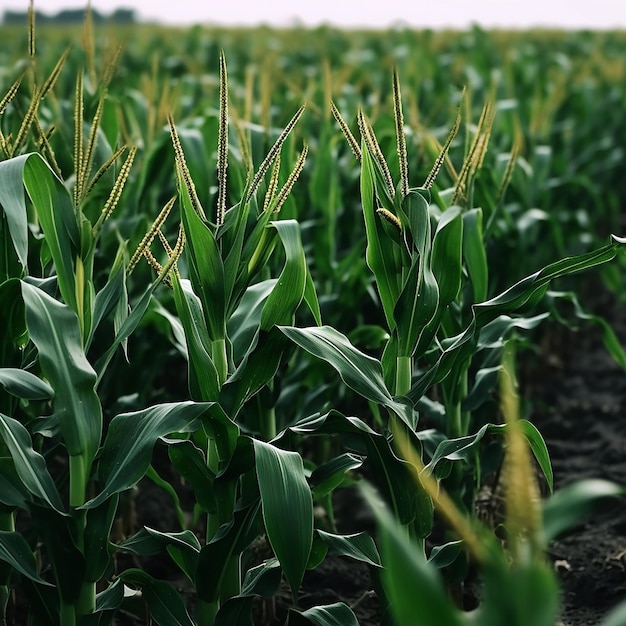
[(259, 268)]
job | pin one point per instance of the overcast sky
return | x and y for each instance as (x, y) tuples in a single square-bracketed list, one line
[(600, 14)]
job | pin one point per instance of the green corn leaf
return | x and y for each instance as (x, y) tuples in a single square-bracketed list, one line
[(191, 464), (446, 260), (57, 217), (204, 380), (475, 254), (125, 330), (55, 331), (359, 546), (206, 267), (12, 492), (337, 614), (326, 477), (59, 533), (12, 201), (112, 297), (162, 600), (392, 476), (17, 553), (524, 594), (416, 307), (230, 539), (289, 290), (127, 449), (571, 505), (523, 291), (23, 384), (262, 580), (360, 372), (29, 464), (451, 450), (379, 254), (96, 539), (414, 588), (287, 509), (243, 324), (415, 211)]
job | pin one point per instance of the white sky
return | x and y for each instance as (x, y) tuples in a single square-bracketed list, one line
[(596, 14)]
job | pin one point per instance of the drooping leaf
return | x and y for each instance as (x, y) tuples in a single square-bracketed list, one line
[(29, 464), (127, 449), (287, 508), (17, 553), (23, 384), (55, 331)]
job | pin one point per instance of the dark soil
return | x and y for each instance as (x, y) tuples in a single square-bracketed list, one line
[(579, 405)]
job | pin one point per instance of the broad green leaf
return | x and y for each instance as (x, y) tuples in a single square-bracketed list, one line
[(338, 614), (191, 463), (127, 449), (162, 600), (415, 207), (204, 383), (522, 594), (446, 260), (235, 611), (17, 553), (262, 580), (417, 305), (359, 546), (29, 464), (59, 223), (12, 492), (55, 331), (379, 253), (243, 324), (416, 592), (23, 384), (391, 475), (112, 297), (99, 522), (215, 557), (460, 448), (571, 505), (360, 372), (475, 254), (287, 508), (523, 291), (12, 201), (206, 267), (289, 290), (127, 327), (326, 477), (60, 534)]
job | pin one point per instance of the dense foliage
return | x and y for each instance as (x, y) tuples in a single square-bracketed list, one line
[(288, 260)]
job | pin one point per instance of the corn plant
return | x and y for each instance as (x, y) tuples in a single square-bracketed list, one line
[(519, 585), (429, 263)]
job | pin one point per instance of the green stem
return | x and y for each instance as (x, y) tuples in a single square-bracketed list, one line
[(206, 612), (67, 615), (220, 360), (78, 480), (404, 368)]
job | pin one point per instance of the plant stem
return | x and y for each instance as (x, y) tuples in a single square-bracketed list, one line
[(67, 615), (403, 375), (206, 612), (220, 360), (78, 480)]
